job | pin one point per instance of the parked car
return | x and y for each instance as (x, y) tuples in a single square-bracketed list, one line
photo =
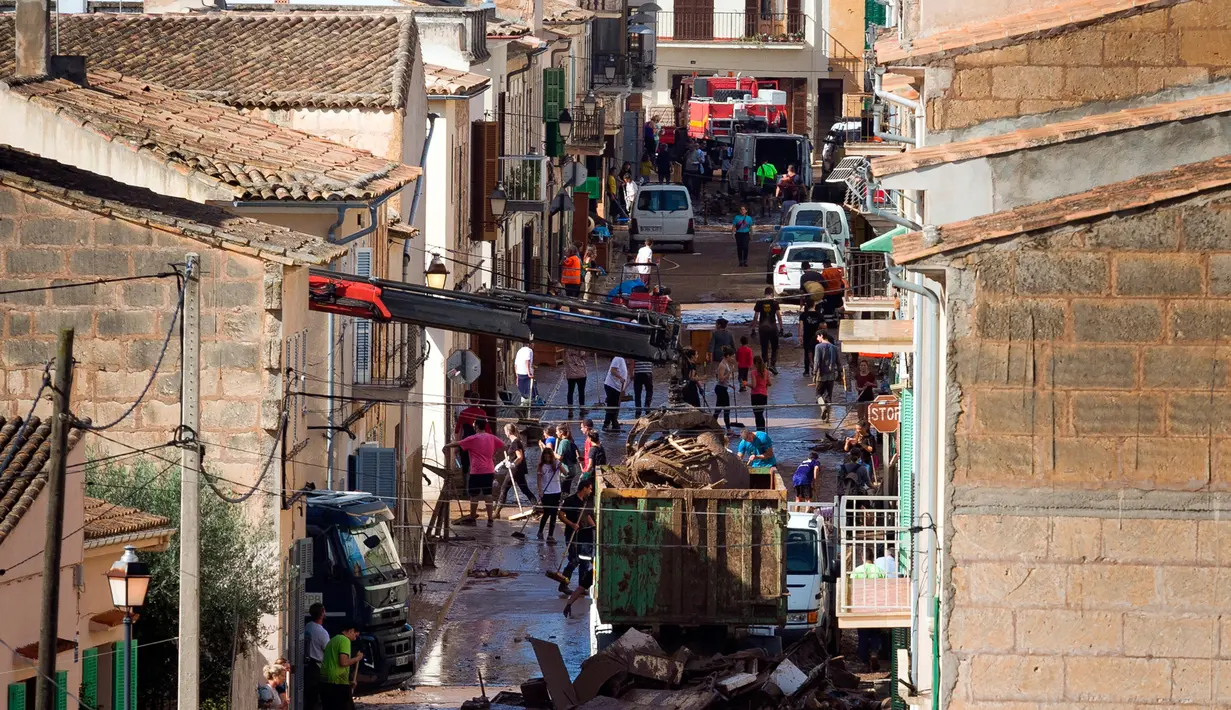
[(785, 237), (822, 214), (780, 149), (663, 213), (786, 274)]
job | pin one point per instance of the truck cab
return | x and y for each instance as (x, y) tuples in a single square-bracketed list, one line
[(810, 555), (358, 575)]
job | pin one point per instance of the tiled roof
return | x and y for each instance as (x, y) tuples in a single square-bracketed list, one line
[(442, 81), (26, 474), (1132, 194), (565, 13), (1051, 134), (261, 60), (85, 190), (1062, 17), (104, 522), (252, 158), (497, 27)]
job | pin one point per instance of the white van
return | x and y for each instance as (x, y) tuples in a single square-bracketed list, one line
[(663, 213), (810, 572), (822, 214), (780, 149)]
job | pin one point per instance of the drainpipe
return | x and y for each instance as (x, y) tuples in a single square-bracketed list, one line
[(870, 208), (916, 108), (927, 423), (414, 201)]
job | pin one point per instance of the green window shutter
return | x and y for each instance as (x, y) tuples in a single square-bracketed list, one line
[(89, 677), (555, 142), (132, 680), (17, 696), (61, 690), (553, 93), (906, 464)]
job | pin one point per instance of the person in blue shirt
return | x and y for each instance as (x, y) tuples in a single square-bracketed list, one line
[(757, 450), (805, 475), (742, 225)]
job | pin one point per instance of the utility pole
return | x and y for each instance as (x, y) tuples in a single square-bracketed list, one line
[(45, 695), (190, 491)]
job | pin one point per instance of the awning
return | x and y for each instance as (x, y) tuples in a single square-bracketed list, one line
[(876, 336), (884, 243)]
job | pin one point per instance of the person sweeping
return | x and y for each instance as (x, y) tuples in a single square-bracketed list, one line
[(577, 514)]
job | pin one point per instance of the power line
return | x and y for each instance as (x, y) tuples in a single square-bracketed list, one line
[(20, 440), (82, 284), (166, 343), (285, 417), (50, 680)]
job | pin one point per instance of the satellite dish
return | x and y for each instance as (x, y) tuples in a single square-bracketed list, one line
[(640, 30), (641, 18), (575, 174), (648, 7), (463, 367), (562, 202), (220, 4)]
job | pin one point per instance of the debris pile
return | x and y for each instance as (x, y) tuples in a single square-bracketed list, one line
[(681, 448), (635, 672)]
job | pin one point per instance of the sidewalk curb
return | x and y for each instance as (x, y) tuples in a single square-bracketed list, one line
[(430, 641)]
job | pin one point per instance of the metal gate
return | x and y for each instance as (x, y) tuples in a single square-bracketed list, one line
[(298, 571)]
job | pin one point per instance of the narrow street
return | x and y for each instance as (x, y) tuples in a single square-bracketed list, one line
[(485, 622)]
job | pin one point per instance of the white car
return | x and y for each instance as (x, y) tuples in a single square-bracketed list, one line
[(822, 214), (790, 266), (663, 212)]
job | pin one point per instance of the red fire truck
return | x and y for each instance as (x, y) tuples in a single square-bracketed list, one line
[(721, 106)]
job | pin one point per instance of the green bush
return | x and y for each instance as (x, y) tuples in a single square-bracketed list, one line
[(240, 573)]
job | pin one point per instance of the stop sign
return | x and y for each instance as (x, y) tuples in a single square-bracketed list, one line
[(883, 413)]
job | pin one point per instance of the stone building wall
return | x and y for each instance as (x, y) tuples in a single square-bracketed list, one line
[(120, 328), (1090, 457), (1187, 44)]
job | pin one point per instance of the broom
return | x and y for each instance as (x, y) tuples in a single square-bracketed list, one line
[(521, 533)]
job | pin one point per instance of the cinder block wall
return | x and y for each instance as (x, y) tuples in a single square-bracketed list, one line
[(1088, 547), (1187, 44), (120, 329)]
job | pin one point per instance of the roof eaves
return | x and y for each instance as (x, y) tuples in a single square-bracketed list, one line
[(1177, 183)]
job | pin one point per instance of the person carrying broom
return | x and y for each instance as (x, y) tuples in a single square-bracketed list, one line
[(577, 514)]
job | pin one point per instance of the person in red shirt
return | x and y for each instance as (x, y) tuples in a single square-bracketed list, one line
[(587, 426), (743, 361), (465, 424), (482, 448), (834, 279), (570, 273)]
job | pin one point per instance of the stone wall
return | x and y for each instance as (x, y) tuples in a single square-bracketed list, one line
[(120, 328), (1188, 44), (1090, 455)]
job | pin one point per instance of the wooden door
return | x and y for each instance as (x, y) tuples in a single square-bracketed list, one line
[(693, 20)]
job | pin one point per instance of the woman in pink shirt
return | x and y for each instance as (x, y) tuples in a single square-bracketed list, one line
[(759, 382)]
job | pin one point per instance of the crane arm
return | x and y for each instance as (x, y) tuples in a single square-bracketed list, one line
[(602, 328)]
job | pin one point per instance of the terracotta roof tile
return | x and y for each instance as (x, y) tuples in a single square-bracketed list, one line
[(565, 13), (147, 118), (265, 60), (1102, 201), (107, 520), (1052, 133), (26, 474), (442, 81), (1064, 17), (500, 28), (79, 188)]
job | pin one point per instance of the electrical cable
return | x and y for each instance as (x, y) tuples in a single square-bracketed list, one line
[(285, 417), (81, 284), (20, 439), (166, 343), (34, 665)]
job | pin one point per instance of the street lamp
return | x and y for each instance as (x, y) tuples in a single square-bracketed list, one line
[(499, 200), (590, 103), (436, 274), (129, 580), (566, 124)]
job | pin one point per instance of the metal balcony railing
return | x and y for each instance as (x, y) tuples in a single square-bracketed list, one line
[(524, 177), (602, 5), (615, 70), (388, 354), (588, 128), (764, 28), (867, 275), (870, 529)]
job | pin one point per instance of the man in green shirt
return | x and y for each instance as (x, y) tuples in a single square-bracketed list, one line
[(336, 662), (767, 179), (871, 641)]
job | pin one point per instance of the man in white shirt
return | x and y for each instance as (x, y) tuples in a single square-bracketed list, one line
[(523, 364), (315, 640), (645, 255), (630, 193), (615, 384), (887, 563)]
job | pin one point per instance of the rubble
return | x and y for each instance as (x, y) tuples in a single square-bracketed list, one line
[(681, 448), (635, 672)]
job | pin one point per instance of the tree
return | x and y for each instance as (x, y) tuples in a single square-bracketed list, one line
[(239, 580)]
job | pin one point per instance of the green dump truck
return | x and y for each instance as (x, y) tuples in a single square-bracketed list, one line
[(690, 558)]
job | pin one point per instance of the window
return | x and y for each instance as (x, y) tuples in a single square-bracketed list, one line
[(833, 222), (363, 326), (369, 549), (792, 236), (801, 552), (662, 200), (813, 254), (810, 218)]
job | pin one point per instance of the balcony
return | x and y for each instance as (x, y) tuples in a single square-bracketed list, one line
[(616, 70), (869, 527), (762, 29), (588, 130), (387, 355), (525, 182)]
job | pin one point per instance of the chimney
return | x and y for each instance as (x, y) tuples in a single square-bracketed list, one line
[(33, 38)]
